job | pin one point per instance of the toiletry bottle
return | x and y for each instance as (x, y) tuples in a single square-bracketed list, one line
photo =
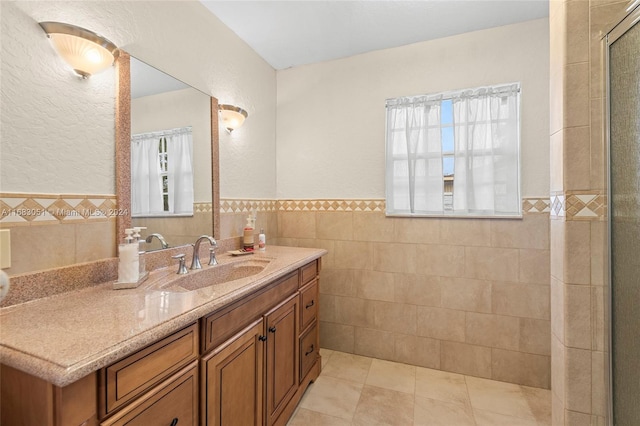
[(247, 239), (142, 267), (262, 240), (128, 266)]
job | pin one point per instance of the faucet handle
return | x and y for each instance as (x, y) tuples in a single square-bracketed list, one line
[(212, 255), (182, 268)]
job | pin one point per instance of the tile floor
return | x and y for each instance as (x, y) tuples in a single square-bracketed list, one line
[(356, 390)]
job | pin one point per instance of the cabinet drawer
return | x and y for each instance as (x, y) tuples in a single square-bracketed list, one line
[(308, 350), (173, 402), (308, 272), (308, 304), (221, 325), (129, 378)]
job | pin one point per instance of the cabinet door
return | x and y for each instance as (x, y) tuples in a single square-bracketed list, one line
[(282, 357), (232, 380)]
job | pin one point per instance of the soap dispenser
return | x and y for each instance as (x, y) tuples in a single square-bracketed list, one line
[(128, 264), (247, 239), (142, 267)]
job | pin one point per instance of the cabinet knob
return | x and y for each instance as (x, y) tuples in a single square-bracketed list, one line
[(310, 351), (174, 422), (310, 304), (262, 338), (272, 329)]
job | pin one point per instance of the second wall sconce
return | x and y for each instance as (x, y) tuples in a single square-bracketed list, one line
[(85, 51), (232, 116)]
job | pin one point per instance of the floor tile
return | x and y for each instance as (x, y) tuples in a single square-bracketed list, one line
[(348, 367), (539, 401), (488, 418), (441, 385), (333, 397), (498, 397), (304, 417), (392, 375), (431, 412), (378, 406), (326, 355)]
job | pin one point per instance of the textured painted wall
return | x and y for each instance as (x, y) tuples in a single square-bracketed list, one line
[(331, 116), (58, 131)]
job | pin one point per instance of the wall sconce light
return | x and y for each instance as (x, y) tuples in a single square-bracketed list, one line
[(232, 116), (86, 52)]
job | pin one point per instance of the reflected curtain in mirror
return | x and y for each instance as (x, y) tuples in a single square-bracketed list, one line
[(162, 173)]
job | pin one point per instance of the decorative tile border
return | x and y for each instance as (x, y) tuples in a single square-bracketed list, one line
[(202, 207), (17, 209), (232, 205), (536, 205), (579, 205), (331, 205)]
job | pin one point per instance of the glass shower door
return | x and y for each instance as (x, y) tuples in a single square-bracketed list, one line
[(624, 193)]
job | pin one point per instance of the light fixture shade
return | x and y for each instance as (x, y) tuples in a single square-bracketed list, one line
[(232, 116), (85, 51)]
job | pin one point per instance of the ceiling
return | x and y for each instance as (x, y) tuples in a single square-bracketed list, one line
[(297, 32)]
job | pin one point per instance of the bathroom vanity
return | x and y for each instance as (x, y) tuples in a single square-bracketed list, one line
[(173, 352)]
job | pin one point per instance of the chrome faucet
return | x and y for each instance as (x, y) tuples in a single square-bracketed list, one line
[(160, 238), (195, 262)]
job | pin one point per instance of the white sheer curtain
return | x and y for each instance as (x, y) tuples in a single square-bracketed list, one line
[(414, 156), (180, 171), (146, 172), (146, 183), (486, 133)]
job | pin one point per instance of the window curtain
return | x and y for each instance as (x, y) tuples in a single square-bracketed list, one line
[(146, 180), (414, 156), (146, 184), (486, 133), (180, 171)]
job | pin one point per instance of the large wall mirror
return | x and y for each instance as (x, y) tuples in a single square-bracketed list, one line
[(166, 156)]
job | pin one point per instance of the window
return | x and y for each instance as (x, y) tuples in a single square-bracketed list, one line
[(454, 154), (162, 173)]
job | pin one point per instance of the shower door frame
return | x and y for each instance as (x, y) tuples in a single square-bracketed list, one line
[(630, 18)]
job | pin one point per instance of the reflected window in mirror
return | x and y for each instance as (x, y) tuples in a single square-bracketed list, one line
[(162, 173)]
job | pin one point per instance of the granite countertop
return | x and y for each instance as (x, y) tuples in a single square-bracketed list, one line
[(63, 338)]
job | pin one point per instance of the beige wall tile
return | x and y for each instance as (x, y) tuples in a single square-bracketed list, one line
[(600, 322), (578, 380), (599, 253), (557, 309), (557, 53), (327, 307), (466, 232), (465, 359), (556, 257), (334, 225), (573, 418), (576, 100), (421, 290), (374, 285), (417, 230), (440, 260), (598, 165), (466, 294), (521, 368), (354, 311), (490, 263), (577, 316), (556, 159), (578, 33), (437, 323), (532, 231), (557, 411), (521, 300), (394, 257), (339, 282), (557, 368), (577, 156), (396, 317), (297, 224), (416, 350), (374, 343), (338, 337), (372, 226), (328, 260), (577, 262), (535, 336), (353, 255), (598, 383), (34, 243), (535, 266), (95, 241), (496, 331)]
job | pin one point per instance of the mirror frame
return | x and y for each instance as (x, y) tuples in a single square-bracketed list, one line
[(123, 151)]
